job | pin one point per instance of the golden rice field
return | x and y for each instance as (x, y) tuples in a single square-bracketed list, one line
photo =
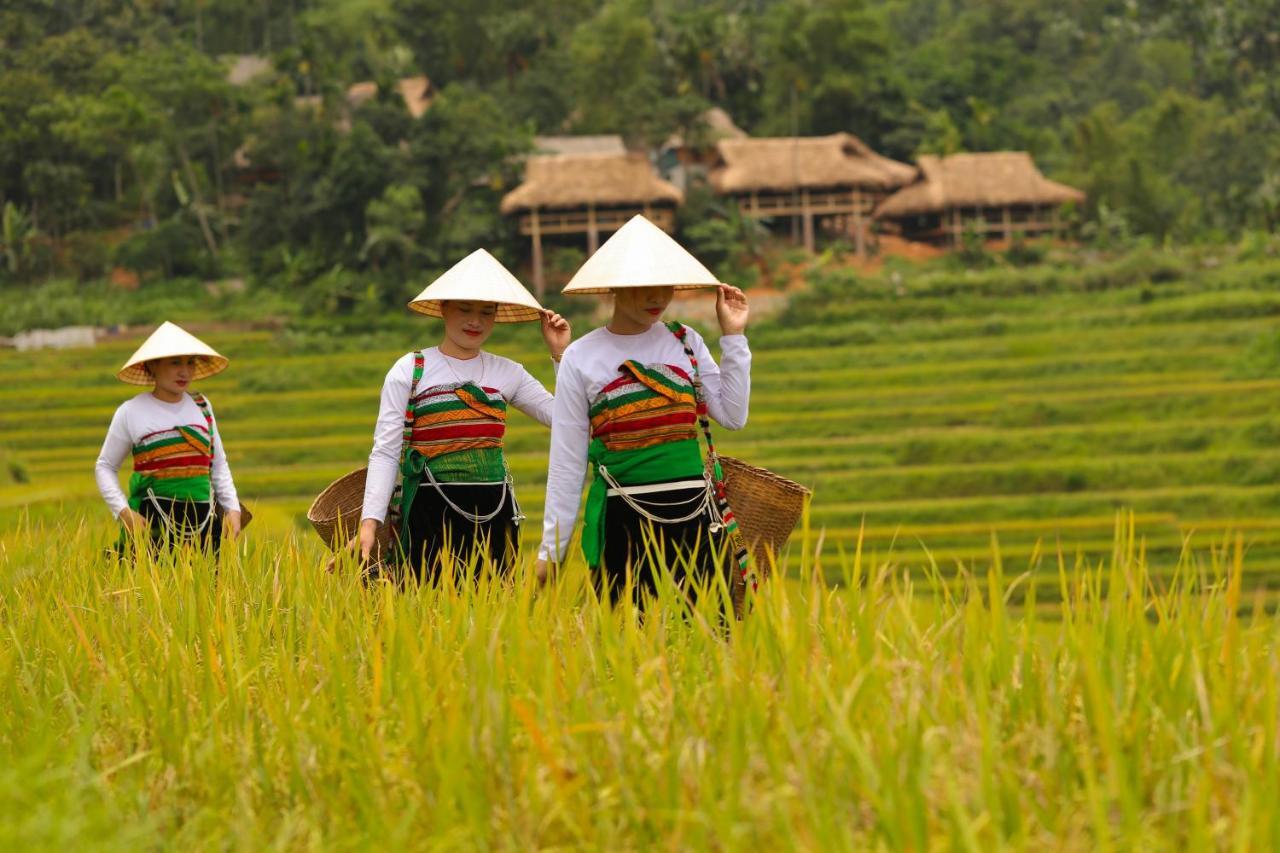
[(274, 706), (1031, 605)]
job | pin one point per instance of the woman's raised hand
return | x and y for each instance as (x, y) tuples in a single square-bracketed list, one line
[(731, 310), (556, 333)]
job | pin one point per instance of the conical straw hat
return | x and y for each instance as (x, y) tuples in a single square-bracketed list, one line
[(640, 254), (168, 341), (480, 277)]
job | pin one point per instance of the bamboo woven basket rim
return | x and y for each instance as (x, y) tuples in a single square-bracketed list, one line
[(777, 480), (767, 506), (335, 503)]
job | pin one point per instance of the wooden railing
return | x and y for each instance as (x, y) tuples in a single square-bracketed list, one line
[(802, 202), (851, 204), (583, 221)]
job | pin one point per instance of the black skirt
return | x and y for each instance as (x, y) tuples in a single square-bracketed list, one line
[(435, 528), (639, 548), (173, 522)]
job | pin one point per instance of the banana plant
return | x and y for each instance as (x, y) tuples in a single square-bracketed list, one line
[(16, 229)]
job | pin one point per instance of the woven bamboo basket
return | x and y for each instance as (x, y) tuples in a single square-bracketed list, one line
[(335, 513), (767, 507)]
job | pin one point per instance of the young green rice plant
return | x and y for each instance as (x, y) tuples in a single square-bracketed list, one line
[(264, 703)]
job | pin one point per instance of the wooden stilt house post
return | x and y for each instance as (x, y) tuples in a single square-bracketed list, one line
[(593, 230), (806, 213), (859, 228), (535, 234)]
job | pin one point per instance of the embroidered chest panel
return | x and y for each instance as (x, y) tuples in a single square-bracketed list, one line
[(184, 451), (457, 417), (647, 405)]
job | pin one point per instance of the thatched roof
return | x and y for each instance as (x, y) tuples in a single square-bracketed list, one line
[(568, 180), (603, 144), (712, 126), (721, 124), (785, 163), (246, 67), (992, 179), (415, 91)]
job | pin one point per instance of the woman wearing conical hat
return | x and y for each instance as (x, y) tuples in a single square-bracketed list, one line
[(179, 467), (628, 404), (443, 417)]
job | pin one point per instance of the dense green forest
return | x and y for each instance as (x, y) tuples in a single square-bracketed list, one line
[(123, 142)]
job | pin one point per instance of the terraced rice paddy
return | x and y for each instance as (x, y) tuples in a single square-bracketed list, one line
[(1081, 685), (936, 412)]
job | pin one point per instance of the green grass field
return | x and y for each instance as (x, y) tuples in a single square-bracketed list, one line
[(1031, 604)]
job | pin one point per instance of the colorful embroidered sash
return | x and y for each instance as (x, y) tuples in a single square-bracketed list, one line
[(646, 406), (643, 430), (172, 463), (457, 431)]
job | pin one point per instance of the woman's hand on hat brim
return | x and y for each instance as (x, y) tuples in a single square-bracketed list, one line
[(732, 310), (556, 333)]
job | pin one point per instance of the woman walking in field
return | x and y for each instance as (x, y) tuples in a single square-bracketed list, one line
[(629, 400), (180, 471), (442, 421)]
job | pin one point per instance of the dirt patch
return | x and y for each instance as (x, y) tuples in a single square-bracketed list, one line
[(697, 306), (897, 247), (124, 278)]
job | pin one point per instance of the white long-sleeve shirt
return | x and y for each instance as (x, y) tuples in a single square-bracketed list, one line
[(590, 363), (143, 415), (509, 377)]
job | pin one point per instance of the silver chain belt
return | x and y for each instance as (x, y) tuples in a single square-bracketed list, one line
[(627, 493), (167, 522), (508, 488)]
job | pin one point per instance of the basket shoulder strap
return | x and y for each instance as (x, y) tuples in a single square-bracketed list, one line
[(419, 362), (719, 488), (205, 410), (681, 333), (203, 404)]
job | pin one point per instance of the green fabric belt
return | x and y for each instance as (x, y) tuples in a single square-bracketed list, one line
[(195, 489), (670, 461), (466, 466)]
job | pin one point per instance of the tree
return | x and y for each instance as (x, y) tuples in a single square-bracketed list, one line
[(615, 81), (393, 223), (463, 152), (16, 233), (819, 65)]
